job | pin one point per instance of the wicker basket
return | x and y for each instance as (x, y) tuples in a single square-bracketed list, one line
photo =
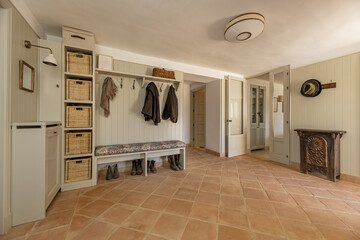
[(77, 169), (78, 90), (78, 117), (77, 143), (78, 63), (161, 72)]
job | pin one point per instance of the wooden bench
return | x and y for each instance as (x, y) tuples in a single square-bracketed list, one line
[(144, 151)]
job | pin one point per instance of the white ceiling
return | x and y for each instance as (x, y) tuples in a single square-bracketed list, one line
[(297, 32)]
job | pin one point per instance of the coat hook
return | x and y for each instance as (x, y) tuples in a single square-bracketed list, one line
[(121, 83), (133, 85), (161, 87)]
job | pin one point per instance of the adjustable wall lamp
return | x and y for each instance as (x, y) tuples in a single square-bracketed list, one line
[(49, 60)]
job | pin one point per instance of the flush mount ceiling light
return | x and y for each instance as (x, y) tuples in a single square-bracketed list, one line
[(49, 59), (244, 27)]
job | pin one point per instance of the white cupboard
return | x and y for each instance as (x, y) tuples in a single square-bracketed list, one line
[(35, 170)]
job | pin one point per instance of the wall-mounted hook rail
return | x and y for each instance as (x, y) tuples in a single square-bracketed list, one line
[(143, 78)]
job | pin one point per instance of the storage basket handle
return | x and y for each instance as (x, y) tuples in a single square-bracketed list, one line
[(77, 36), (79, 161), (79, 56), (79, 108), (79, 135), (78, 82)]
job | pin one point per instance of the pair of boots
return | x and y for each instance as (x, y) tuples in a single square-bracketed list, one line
[(136, 168), (112, 175), (151, 166), (175, 163)]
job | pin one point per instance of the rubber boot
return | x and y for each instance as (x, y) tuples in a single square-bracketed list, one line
[(152, 167), (177, 162), (172, 163), (139, 169), (108, 173), (116, 172), (148, 166), (133, 169)]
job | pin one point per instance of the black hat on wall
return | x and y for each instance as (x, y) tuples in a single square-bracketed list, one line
[(311, 88)]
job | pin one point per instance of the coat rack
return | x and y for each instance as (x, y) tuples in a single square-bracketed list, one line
[(143, 78)]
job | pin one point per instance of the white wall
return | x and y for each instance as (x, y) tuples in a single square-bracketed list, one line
[(24, 104), (213, 116), (186, 114), (333, 109)]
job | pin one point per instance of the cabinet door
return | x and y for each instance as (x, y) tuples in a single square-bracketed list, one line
[(52, 163)]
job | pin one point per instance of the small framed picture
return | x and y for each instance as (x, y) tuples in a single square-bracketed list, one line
[(27, 76)]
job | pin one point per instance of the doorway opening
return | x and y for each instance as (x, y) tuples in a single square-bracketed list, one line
[(199, 118), (269, 115), (259, 114)]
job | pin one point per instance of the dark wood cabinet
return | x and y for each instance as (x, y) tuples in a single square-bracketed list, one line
[(320, 152)]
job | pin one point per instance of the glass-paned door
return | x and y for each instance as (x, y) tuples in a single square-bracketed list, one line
[(257, 128)]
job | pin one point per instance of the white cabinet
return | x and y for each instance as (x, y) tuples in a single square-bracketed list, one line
[(49, 102), (35, 174)]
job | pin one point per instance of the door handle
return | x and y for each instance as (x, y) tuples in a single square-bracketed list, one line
[(228, 121)]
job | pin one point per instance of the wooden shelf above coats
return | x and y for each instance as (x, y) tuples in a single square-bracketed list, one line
[(143, 78)]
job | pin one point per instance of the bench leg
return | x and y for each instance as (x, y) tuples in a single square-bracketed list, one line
[(144, 164), (182, 157)]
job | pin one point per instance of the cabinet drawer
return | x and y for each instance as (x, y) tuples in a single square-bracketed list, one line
[(80, 63), (77, 143), (78, 117), (78, 38), (79, 90), (78, 169)]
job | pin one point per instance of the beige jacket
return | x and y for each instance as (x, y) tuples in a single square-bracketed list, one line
[(108, 92)]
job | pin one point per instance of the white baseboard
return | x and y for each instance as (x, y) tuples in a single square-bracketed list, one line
[(6, 224)]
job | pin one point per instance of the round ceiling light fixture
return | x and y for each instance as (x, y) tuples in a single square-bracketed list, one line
[(244, 27)]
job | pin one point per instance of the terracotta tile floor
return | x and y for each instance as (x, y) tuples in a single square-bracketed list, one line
[(214, 198)]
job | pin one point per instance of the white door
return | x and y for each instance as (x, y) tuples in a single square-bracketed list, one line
[(235, 119), (280, 115), (257, 111)]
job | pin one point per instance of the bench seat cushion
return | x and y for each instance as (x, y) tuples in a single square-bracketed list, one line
[(137, 147)]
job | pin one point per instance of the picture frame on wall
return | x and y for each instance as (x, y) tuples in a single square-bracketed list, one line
[(26, 76)]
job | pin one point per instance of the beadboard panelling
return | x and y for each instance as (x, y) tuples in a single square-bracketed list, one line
[(333, 109), (126, 123), (23, 103)]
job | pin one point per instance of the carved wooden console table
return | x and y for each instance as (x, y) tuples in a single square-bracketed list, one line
[(320, 152)]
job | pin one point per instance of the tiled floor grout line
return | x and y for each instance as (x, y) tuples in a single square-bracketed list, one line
[(224, 175)]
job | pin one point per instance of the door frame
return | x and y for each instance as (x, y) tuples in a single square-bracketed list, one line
[(192, 91), (228, 141), (5, 118)]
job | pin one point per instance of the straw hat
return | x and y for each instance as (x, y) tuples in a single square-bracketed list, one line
[(311, 88)]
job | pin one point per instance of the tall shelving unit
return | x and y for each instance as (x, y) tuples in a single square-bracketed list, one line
[(66, 186)]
